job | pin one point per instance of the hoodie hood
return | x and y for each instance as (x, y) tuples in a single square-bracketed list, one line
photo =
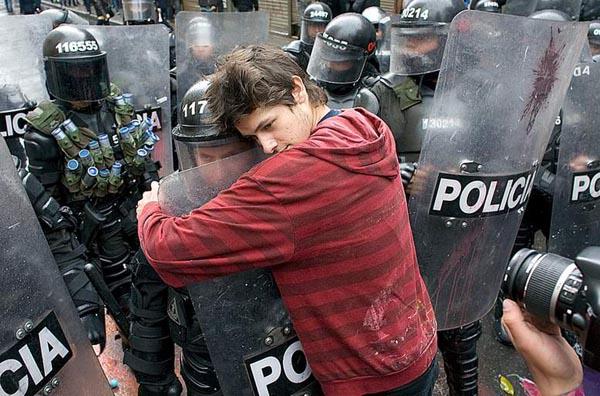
[(356, 140)]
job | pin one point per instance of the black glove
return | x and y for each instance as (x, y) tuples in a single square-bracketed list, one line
[(407, 171)]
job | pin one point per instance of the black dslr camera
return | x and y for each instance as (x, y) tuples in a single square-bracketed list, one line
[(562, 291)]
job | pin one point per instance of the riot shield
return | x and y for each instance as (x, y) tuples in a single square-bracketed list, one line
[(501, 84), (202, 37), (520, 7), (570, 7), (22, 77), (138, 62), (247, 328), (576, 205), (383, 51), (42, 342)]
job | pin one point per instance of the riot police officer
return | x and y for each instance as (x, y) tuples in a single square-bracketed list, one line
[(375, 15), (155, 306), (381, 22), (314, 20), (343, 55), (200, 41), (139, 12), (405, 94), (73, 149), (197, 143)]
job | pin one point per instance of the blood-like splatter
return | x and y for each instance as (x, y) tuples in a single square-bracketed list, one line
[(545, 77)]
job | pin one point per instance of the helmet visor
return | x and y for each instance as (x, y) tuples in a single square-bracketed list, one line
[(138, 10), (193, 152), (78, 79), (310, 29), (417, 48), (335, 62)]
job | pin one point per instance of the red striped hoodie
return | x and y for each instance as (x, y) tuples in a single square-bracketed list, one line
[(329, 218)]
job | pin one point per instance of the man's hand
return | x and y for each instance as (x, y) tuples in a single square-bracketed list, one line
[(555, 367), (148, 197)]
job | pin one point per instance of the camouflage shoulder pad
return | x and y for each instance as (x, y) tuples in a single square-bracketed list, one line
[(408, 93), (115, 90), (46, 117)]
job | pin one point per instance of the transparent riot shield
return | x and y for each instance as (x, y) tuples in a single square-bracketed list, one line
[(501, 84), (138, 62), (22, 77), (520, 7), (43, 345), (248, 331), (570, 7), (202, 37), (576, 205), (383, 51)]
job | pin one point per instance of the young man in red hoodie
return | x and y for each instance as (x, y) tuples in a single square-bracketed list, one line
[(326, 214)]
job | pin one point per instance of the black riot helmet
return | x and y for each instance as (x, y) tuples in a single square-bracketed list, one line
[(551, 15), (571, 8), (314, 20), (341, 51), (196, 140), (76, 68), (594, 37), (138, 12), (423, 11), (419, 35), (486, 5), (59, 17), (374, 15)]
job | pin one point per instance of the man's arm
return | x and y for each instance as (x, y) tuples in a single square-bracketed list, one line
[(244, 227)]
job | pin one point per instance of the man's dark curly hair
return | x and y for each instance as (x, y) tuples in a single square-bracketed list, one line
[(253, 77)]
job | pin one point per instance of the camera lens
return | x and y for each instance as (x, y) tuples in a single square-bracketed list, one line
[(541, 282)]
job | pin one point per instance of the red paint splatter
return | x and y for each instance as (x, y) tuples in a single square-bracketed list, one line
[(545, 78)]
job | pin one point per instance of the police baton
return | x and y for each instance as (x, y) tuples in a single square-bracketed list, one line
[(111, 303)]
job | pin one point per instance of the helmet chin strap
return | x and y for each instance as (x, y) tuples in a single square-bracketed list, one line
[(337, 89)]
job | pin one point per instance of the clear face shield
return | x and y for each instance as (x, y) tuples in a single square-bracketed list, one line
[(78, 79), (417, 48), (335, 62), (310, 29), (197, 146), (137, 10)]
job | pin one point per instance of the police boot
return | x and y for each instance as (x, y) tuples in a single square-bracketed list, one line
[(196, 366), (459, 350), (150, 354), (198, 374), (173, 388), (58, 224)]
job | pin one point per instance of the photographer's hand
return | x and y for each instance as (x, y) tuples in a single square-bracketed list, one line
[(555, 367)]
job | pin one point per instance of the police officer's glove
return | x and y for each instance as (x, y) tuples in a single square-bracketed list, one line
[(544, 181), (407, 172)]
